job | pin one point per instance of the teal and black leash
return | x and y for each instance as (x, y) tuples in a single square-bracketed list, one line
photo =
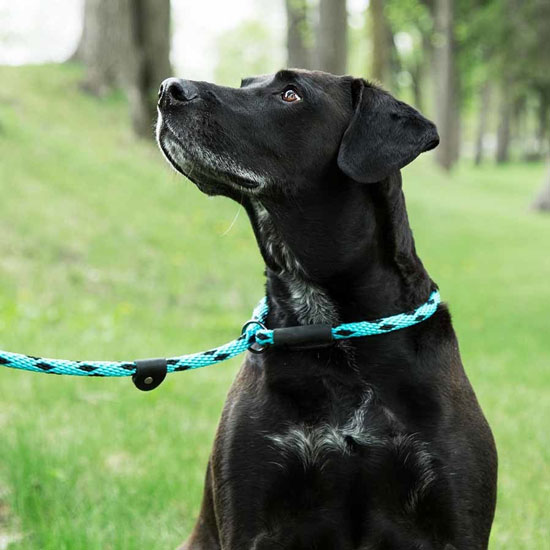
[(147, 374)]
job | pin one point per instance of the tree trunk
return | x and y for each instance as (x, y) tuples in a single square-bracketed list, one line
[(332, 38), (484, 102), (102, 43), (543, 115), (381, 36), (149, 63), (446, 84), (416, 75), (542, 202), (504, 123), (298, 35), (78, 54), (126, 43), (520, 125), (421, 72)]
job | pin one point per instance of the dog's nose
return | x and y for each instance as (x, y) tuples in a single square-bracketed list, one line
[(176, 90)]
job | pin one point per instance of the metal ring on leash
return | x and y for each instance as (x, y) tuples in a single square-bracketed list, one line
[(254, 347)]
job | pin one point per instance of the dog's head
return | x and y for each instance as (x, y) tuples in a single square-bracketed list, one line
[(279, 132)]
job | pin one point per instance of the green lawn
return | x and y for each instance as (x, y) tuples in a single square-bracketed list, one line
[(107, 254)]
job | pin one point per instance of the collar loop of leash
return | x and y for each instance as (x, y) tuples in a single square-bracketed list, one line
[(148, 374), (312, 336)]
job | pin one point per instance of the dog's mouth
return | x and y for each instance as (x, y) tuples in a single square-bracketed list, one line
[(211, 173)]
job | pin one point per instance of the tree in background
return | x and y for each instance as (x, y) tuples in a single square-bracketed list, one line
[(509, 37), (104, 30), (518, 53), (411, 27), (332, 36), (298, 35), (126, 43), (508, 76), (504, 122), (446, 83), (477, 67), (543, 93), (382, 43), (484, 101), (542, 201), (538, 68)]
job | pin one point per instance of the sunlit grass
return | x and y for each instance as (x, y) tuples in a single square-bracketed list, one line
[(105, 253)]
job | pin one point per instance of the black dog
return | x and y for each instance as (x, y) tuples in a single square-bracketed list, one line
[(376, 443)]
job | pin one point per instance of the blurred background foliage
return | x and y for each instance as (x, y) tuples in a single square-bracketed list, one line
[(106, 253)]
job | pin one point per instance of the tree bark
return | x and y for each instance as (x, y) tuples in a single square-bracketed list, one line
[(417, 87), (102, 44), (381, 36), (446, 84), (421, 72), (520, 126), (126, 43), (504, 124), (543, 115), (542, 202), (425, 72), (332, 36), (149, 63), (298, 35), (484, 102)]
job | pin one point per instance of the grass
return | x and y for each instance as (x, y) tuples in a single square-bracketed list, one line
[(105, 253)]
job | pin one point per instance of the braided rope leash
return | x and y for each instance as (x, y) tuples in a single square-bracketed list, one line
[(148, 374)]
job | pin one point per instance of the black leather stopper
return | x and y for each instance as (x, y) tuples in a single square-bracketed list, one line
[(149, 374), (303, 337)]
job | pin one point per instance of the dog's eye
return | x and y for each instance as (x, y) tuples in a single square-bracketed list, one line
[(290, 95)]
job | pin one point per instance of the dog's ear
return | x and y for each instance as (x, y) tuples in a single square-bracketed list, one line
[(383, 136)]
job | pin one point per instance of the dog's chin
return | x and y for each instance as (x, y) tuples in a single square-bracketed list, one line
[(191, 170), (207, 179)]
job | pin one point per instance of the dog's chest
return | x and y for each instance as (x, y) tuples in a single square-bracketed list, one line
[(313, 446), (361, 463), (320, 477)]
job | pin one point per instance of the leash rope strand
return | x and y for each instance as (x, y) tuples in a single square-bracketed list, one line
[(254, 334)]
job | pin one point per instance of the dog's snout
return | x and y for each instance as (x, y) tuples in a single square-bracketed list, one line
[(176, 90)]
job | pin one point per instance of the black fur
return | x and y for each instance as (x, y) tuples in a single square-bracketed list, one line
[(376, 443), (384, 136)]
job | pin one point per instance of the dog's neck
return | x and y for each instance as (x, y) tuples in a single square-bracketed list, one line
[(343, 253)]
